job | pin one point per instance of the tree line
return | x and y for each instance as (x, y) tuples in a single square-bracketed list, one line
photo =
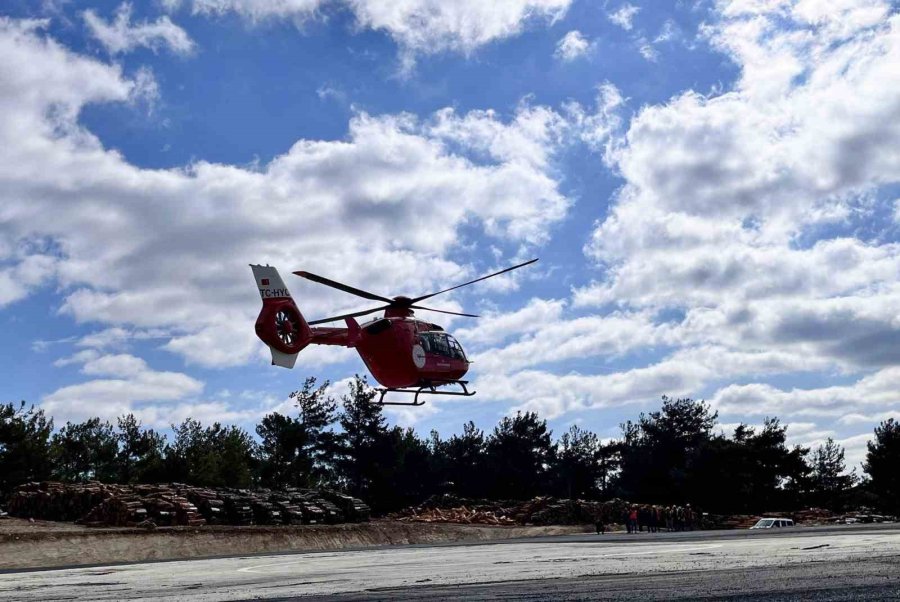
[(674, 455)]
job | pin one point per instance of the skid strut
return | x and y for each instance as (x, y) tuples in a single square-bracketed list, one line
[(430, 389)]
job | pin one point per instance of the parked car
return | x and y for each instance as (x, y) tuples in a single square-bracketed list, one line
[(769, 523)]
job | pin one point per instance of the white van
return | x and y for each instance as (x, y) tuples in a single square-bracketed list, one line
[(769, 523)]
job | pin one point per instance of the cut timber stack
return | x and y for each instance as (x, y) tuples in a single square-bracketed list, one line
[(123, 510), (50, 500), (98, 504), (208, 503), (238, 508), (354, 509), (814, 516), (538, 511), (461, 515)]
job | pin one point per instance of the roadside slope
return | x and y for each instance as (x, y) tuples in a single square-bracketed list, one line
[(42, 546)]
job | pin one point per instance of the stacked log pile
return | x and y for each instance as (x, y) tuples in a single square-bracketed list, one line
[(116, 511), (460, 515), (548, 511), (55, 501), (733, 521), (537, 511), (98, 504), (814, 516), (353, 509), (314, 503)]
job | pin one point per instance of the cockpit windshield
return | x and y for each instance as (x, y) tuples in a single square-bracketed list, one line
[(441, 343)]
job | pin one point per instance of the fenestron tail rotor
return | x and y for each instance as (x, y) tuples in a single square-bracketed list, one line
[(400, 302)]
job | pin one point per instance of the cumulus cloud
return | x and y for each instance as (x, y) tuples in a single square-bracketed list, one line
[(554, 395), (162, 254), (728, 248), (119, 384), (624, 15), (496, 327), (571, 46), (120, 35), (418, 26), (875, 390), (127, 381)]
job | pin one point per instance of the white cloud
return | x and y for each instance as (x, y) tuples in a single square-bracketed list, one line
[(572, 46), (129, 381), (869, 419), (871, 391), (127, 385), (647, 50), (118, 337), (669, 32), (327, 91), (725, 219), (29, 273), (496, 328), (718, 191), (77, 358), (574, 339), (624, 15), (553, 395), (597, 128), (163, 253), (121, 36), (418, 26), (121, 365)]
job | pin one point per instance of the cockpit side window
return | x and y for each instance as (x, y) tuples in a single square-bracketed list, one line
[(456, 349), (441, 344), (425, 342)]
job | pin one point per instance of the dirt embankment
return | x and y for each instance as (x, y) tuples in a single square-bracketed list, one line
[(43, 544)]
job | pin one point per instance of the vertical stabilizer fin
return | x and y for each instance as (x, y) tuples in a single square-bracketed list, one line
[(285, 360), (269, 283)]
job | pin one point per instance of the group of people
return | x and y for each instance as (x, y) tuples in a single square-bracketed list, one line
[(654, 518)]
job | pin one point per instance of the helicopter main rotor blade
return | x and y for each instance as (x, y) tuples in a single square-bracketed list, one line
[(515, 267), (343, 287), (443, 311), (355, 314)]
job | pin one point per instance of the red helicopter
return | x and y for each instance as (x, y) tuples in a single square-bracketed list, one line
[(405, 355)]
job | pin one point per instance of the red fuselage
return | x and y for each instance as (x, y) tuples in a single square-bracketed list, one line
[(400, 351)]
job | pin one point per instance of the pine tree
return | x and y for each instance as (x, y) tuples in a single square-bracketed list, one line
[(829, 480), (519, 454), (464, 462), (24, 446), (295, 450), (214, 456), (577, 466), (85, 451), (883, 465), (358, 453), (141, 452)]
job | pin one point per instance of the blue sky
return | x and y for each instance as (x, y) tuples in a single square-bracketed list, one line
[(712, 188)]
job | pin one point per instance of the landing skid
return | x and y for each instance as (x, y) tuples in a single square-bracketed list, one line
[(424, 390)]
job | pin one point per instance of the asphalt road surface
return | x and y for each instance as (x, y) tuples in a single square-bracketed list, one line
[(833, 563)]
